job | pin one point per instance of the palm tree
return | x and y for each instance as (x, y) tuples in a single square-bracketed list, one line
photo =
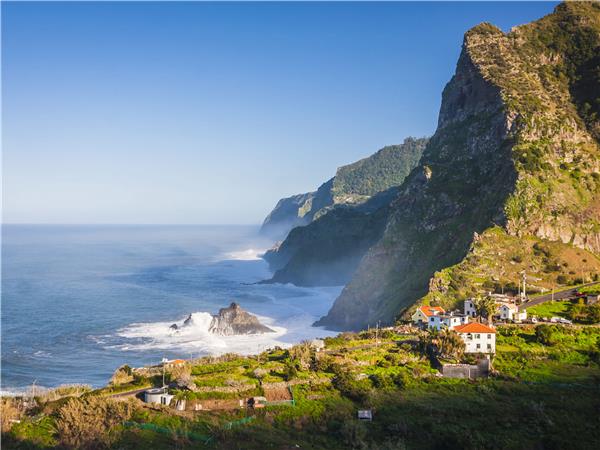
[(485, 307), (451, 344)]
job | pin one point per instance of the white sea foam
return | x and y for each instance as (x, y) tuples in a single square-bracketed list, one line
[(195, 337), (250, 254)]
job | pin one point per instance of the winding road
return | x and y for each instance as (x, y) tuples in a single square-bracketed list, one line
[(559, 295)]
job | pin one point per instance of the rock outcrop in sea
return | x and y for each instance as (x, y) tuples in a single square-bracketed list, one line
[(234, 320), (229, 321)]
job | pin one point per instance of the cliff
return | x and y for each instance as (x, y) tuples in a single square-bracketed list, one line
[(515, 158), (353, 184)]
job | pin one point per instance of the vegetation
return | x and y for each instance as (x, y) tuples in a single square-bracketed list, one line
[(496, 261), (577, 311), (386, 168), (393, 377)]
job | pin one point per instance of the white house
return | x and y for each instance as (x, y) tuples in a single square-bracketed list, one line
[(470, 309), (158, 395), (478, 338), (510, 311), (424, 313), (450, 320)]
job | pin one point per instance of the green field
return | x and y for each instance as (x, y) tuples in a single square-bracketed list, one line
[(550, 309)]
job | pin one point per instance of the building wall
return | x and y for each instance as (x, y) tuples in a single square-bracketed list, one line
[(472, 340), (470, 308)]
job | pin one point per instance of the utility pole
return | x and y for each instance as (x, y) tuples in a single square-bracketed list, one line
[(164, 363), (377, 334)]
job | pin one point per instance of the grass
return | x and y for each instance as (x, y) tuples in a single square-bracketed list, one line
[(550, 309)]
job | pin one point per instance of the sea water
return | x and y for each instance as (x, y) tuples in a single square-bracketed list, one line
[(79, 301)]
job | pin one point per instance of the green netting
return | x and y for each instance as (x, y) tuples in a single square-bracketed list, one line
[(245, 420), (158, 429)]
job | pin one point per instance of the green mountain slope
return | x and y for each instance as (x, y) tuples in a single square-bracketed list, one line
[(353, 184), (516, 147)]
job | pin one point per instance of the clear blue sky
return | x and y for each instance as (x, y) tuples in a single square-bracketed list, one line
[(209, 113)]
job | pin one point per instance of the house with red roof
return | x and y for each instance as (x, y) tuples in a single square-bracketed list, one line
[(424, 313), (478, 338)]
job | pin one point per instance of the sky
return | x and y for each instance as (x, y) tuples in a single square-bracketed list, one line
[(208, 113)]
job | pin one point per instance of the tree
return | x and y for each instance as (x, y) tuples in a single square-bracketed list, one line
[(485, 307), (447, 343), (450, 344)]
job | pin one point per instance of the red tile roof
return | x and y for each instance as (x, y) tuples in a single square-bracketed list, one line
[(429, 310), (474, 327)]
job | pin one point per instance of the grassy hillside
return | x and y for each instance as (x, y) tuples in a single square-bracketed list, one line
[(544, 394), (496, 260)]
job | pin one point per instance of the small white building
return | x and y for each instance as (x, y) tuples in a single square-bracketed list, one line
[(510, 311), (478, 338), (449, 320), (424, 313), (470, 309), (158, 396), (317, 344)]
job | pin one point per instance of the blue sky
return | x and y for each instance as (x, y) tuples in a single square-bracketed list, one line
[(209, 113)]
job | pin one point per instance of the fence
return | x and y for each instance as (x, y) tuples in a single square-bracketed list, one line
[(187, 434)]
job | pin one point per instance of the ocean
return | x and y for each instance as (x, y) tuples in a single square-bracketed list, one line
[(79, 301)]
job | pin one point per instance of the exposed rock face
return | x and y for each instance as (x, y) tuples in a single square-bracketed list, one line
[(234, 320), (353, 184), (516, 146)]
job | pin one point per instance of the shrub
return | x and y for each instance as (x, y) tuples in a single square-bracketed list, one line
[(122, 375), (290, 371), (382, 381), (541, 250), (546, 334), (10, 411), (91, 422), (349, 387), (401, 379)]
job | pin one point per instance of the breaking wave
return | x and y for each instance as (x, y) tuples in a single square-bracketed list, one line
[(194, 337), (251, 254)]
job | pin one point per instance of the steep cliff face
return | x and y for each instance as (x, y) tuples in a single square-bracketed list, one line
[(516, 146), (353, 184), (327, 251)]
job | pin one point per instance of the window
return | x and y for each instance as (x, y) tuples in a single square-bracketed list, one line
[(489, 346), (477, 336), (478, 346), (431, 319), (489, 336)]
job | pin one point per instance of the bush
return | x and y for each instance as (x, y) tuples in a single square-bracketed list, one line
[(10, 411), (541, 250), (349, 387), (401, 379), (382, 381), (546, 334), (290, 371), (91, 422)]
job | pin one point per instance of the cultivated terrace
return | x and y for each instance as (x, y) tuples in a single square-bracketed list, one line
[(543, 392)]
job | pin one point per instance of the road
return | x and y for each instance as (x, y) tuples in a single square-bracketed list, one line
[(129, 393), (560, 295)]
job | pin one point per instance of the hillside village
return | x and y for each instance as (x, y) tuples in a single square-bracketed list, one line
[(350, 389)]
